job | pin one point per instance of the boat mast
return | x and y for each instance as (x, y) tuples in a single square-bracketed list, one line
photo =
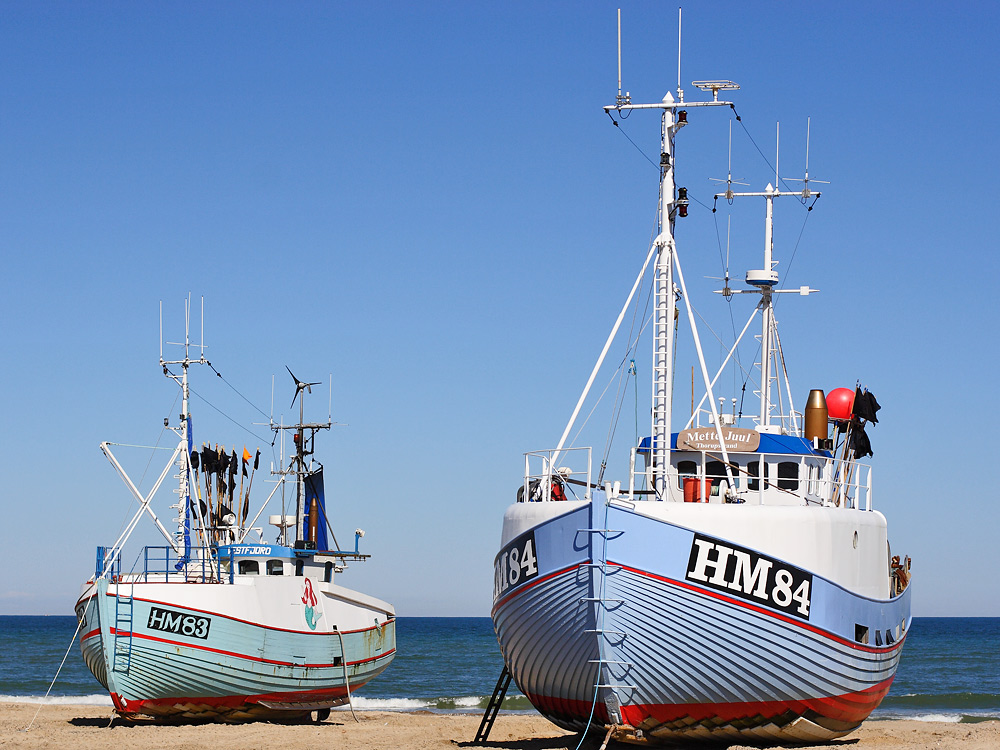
[(184, 429), (666, 302), (300, 484), (673, 202), (765, 280), (767, 314), (297, 465)]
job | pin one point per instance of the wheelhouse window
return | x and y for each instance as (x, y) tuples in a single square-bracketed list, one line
[(275, 567), (715, 472), (248, 568), (299, 566), (788, 475), (685, 469), (752, 470)]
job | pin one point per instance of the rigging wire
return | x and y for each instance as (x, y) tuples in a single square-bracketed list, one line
[(717, 337), (152, 452), (258, 409), (637, 148), (616, 413), (597, 402), (762, 156), (241, 426), (809, 208), (795, 249), (620, 403)]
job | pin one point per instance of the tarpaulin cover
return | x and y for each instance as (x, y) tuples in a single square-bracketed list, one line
[(314, 489)]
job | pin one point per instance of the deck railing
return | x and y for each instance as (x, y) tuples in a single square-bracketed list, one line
[(820, 480), (543, 481), (162, 565)]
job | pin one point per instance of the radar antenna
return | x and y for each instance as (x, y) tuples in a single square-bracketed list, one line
[(715, 87)]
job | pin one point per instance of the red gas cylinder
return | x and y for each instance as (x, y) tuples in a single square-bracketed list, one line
[(840, 403)]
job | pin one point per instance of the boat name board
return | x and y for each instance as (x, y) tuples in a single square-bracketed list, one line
[(170, 621), (515, 564), (707, 439), (251, 549), (749, 575)]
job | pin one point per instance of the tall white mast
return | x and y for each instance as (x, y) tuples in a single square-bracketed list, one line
[(673, 202), (666, 304), (766, 279), (767, 312), (183, 430)]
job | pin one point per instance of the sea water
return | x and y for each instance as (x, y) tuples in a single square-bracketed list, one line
[(950, 669)]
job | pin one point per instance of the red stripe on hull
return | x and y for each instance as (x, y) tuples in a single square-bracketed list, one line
[(179, 704)]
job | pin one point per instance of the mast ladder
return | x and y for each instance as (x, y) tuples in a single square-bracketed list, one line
[(122, 660), (494, 706)]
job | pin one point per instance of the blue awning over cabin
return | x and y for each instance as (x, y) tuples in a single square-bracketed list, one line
[(787, 444)]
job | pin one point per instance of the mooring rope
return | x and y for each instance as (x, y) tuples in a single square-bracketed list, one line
[(347, 683), (65, 656)]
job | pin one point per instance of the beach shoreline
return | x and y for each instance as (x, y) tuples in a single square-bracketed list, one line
[(87, 727)]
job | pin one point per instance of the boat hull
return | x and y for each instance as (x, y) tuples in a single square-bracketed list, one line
[(223, 652), (614, 628)]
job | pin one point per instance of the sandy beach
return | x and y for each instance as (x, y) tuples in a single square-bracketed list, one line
[(91, 728)]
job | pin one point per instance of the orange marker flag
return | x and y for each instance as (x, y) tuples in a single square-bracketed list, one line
[(247, 455)]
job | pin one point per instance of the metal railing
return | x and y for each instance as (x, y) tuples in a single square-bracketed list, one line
[(544, 482), (162, 565), (819, 480)]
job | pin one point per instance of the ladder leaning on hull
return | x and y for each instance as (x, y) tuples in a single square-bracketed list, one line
[(494, 706)]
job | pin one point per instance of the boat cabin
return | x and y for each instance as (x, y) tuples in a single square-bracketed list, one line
[(248, 560), (794, 470)]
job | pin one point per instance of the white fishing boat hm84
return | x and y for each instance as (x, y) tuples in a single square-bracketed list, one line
[(737, 584), (220, 624)]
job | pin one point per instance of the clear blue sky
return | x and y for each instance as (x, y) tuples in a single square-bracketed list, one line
[(426, 201)]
